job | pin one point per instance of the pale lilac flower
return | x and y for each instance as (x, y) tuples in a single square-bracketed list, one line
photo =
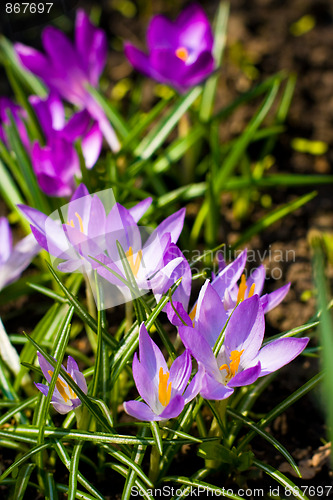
[(13, 260), (241, 360), (165, 391), (180, 52), (63, 398), (68, 67), (88, 240)]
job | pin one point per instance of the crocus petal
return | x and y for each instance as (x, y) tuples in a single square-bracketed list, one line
[(6, 240), (212, 389), (80, 192), (55, 166), (168, 68), (173, 317), (195, 385), (91, 145), (139, 60), (271, 300), (65, 62), (121, 227), (172, 224), (140, 209), (140, 410), (151, 357), (245, 377), (194, 28), (162, 33), (229, 275), (34, 61), (44, 389), (173, 409), (62, 408), (71, 365), (245, 330), (45, 366), (257, 277), (80, 380), (50, 113), (210, 316), (196, 72), (91, 44), (180, 372), (200, 349), (76, 126), (280, 352), (145, 384)]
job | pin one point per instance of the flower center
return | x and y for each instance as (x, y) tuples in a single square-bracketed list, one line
[(164, 390), (182, 53), (234, 364), (62, 386), (71, 223), (242, 289), (134, 265)]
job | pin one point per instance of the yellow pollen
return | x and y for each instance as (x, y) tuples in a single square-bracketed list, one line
[(242, 289), (234, 363), (182, 53), (71, 223), (62, 386), (134, 265), (164, 390)]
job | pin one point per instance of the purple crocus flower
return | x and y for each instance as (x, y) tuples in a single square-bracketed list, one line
[(64, 398), (165, 391), (56, 163), (229, 292), (13, 260), (225, 284), (241, 359), (7, 106), (68, 67), (180, 52)]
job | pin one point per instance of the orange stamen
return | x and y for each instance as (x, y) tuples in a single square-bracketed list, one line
[(71, 223), (164, 390), (134, 265), (62, 386), (182, 53), (234, 363), (251, 292), (242, 289)]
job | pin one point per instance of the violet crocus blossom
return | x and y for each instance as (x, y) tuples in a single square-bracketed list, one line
[(165, 391), (63, 398), (88, 240), (56, 163), (229, 293), (225, 284), (13, 260), (241, 360), (7, 108), (180, 52), (68, 67)]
